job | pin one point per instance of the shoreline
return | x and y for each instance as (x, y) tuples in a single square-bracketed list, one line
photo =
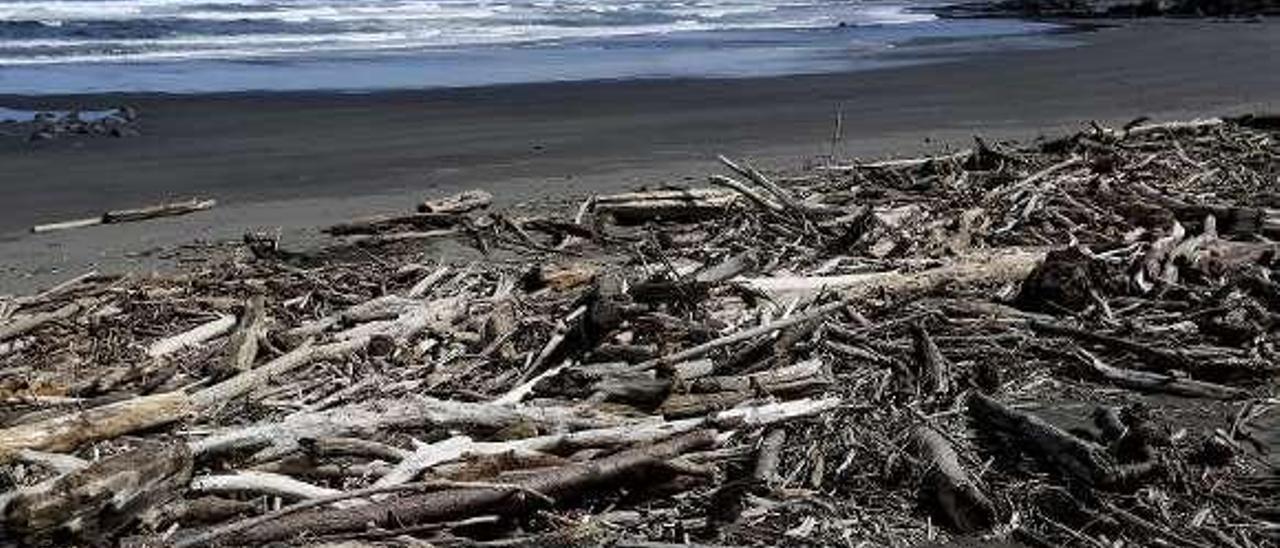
[(298, 161)]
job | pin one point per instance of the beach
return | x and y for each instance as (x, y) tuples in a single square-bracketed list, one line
[(297, 161)]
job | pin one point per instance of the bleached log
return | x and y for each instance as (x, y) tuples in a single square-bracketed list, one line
[(93, 502), (749, 193), (427, 283), (424, 457), (378, 224), (672, 205), (156, 211), (364, 418), (260, 483), (67, 225), (24, 324), (342, 447), (55, 291), (985, 268), (767, 381), (67, 432), (379, 239), (462, 202), (58, 462), (386, 306), (788, 201), (905, 163), (194, 336)]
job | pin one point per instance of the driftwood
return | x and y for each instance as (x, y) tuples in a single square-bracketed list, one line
[(390, 223), (1076, 457), (949, 485), (821, 334), (99, 499), (132, 215), (671, 205), (632, 466), (242, 347), (25, 324), (197, 335), (457, 204), (66, 432)]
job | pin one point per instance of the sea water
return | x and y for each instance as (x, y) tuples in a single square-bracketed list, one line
[(76, 46)]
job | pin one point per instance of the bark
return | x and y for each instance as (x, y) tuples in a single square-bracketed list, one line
[(949, 486), (242, 348), (631, 467), (94, 502)]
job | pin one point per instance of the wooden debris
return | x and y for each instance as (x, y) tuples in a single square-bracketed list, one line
[(877, 353)]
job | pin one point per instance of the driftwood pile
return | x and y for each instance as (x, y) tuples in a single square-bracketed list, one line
[(1069, 343)]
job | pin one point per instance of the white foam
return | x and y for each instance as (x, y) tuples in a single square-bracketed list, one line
[(381, 25)]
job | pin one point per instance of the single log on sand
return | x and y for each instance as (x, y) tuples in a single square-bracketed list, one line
[(457, 204)]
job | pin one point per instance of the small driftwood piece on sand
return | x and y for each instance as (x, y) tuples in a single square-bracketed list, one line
[(172, 209), (457, 204)]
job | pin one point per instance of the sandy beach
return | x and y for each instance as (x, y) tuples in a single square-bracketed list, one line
[(296, 161)]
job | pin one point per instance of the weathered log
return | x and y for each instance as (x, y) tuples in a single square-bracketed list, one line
[(94, 502), (634, 466), (282, 437), (194, 336), (157, 211), (949, 486), (462, 202), (259, 483), (980, 268), (934, 368), (1162, 382), (25, 324), (66, 432), (1076, 457), (663, 205), (769, 456), (242, 347), (131, 215), (379, 224)]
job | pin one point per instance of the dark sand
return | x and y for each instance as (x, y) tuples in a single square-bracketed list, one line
[(297, 161)]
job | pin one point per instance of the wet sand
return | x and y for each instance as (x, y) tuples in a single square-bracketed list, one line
[(295, 161)]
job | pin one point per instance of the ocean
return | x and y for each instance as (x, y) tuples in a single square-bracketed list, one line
[(178, 46)]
